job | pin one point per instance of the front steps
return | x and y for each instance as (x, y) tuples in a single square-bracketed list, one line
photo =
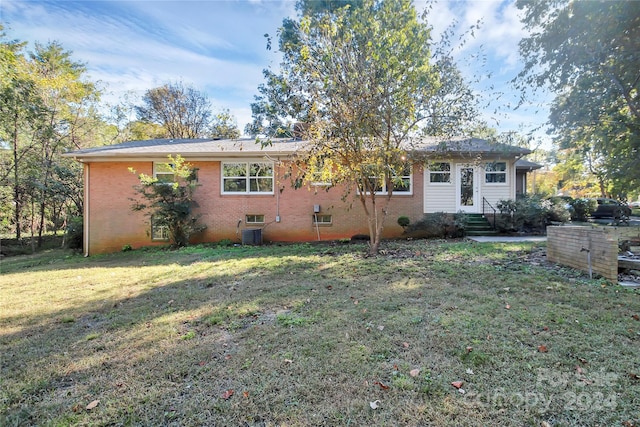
[(479, 225)]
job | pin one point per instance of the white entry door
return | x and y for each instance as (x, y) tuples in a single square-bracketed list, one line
[(467, 193)]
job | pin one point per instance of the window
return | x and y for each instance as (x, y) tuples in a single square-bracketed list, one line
[(495, 173), (254, 219), (321, 219), (159, 232), (320, 171), (255, 178), (440, 173), (164, 172), (402, 184)]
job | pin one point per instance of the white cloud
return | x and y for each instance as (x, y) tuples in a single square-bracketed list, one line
[(219, 47)]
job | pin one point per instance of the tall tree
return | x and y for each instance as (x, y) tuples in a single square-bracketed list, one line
[(46, 108), (360, 75), (223, 126), (20, 108), (67, 101), (588, 54), (185, 112)]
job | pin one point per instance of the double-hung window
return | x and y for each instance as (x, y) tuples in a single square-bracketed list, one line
[(495, 173), (159, 232), (400, 183), (440, 173), (164, 173), (247, 178)]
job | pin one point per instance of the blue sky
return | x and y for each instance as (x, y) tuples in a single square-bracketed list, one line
[(219, 46)]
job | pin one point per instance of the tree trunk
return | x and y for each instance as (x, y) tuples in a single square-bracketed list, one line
[(16, 184), (375, 221)]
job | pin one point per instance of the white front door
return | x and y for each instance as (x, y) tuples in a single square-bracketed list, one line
[(467, 193)]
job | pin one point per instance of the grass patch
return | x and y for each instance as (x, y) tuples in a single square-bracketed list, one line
[(311, 334)]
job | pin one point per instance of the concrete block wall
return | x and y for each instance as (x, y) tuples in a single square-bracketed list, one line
[(565, 246)]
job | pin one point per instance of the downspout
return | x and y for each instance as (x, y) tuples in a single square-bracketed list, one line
[(315, 217), (85, 223)]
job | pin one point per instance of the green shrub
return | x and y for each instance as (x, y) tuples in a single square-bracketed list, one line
[(438, 225), (74, 230), (582, 208), (225, 243), (404, 221), (529, 214)]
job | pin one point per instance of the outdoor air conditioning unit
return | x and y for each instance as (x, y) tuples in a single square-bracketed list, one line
[(252, 236)]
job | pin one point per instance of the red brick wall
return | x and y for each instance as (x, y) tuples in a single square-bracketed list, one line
[(113, 224)]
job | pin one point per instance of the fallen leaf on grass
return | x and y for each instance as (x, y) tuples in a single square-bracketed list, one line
[(469, 371), (461, 391), (227, 394), (582, 360), (578, 369), (508, 307), (636, 317), (380, 327), (382, 385), (634, 376), (405, 344), (414, 372), (245, 394), (92, 405), (542, 349), (457, 384), (375, 404)]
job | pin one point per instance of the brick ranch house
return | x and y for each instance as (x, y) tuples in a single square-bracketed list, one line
[(243, 187)]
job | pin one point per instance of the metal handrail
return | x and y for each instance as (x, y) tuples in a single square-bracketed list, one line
[(485, 202)]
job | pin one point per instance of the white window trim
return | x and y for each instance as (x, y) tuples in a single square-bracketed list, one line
[(321, 223), (246, 219), (156, 172), (448, 183), (164, 230), (248, 178), (384, 191), (506, 175)]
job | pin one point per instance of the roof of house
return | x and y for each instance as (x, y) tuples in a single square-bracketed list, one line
[(248, 147), (524, 164)]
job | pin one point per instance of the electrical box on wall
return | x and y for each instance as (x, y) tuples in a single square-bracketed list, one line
[(316, 208)]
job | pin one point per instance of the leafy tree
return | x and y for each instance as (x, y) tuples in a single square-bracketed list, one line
[(224, 126), (184, 112), (170, 204), (19, 110), (46, 108), (360, 76), (588, 54), (68, 119)]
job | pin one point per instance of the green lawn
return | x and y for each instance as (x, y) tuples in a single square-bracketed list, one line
[(308, 335)]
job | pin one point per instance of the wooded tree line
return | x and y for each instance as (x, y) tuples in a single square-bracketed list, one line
[(364, 76), (48, 106)]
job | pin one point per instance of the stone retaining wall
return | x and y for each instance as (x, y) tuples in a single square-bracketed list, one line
[(571, 246)]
